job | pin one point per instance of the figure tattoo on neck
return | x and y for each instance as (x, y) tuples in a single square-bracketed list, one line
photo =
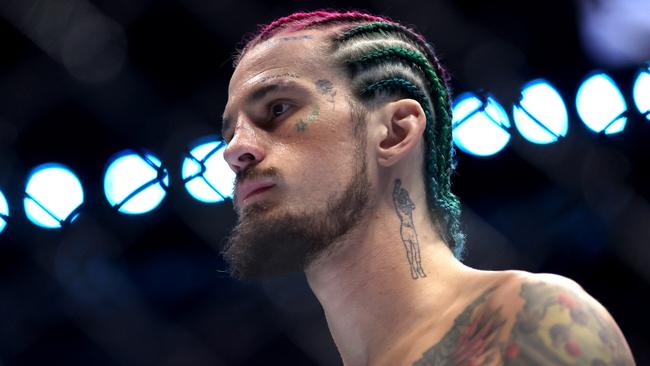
[(404, 207)]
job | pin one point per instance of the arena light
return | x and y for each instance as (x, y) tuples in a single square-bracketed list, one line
[(53, 196), (641, 91), (4, 212), (540, 115), (135, 182), (480, 125), (206, 175), (601, 105)]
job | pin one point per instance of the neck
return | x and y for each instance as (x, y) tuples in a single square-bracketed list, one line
[(372, 302)]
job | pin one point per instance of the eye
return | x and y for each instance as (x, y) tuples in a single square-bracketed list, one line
[(278, 109)]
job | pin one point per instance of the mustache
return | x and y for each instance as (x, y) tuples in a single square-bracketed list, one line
[(255, 173)]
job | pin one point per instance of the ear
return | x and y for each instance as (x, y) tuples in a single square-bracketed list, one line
[(404, 122)]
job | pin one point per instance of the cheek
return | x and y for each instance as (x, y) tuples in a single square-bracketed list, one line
[(313, 177)]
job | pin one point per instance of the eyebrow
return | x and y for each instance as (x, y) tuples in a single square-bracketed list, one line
[(259, 94)]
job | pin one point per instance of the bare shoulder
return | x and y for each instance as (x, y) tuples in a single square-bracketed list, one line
[(559, 323), (520, 318)]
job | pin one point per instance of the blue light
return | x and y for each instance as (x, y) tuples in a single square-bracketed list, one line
[(53, 196), (641, 92), (213, 183), (601, 105), (480, 125), (4, 212), (540, 115), (135, 183)]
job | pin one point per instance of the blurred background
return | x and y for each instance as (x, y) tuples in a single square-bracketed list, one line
[(83, 80)]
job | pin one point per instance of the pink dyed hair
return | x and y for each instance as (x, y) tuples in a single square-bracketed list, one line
[(304, 20)]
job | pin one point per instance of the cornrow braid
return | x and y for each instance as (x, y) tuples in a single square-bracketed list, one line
[(382, 55), (379, 27), (307, 20), (270, 29), (383, 28), (343, 17)]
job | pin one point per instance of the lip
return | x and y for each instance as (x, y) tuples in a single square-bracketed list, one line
[(250, 189)]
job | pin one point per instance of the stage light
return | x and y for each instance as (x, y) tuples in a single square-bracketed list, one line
[(135, 183), (480, 125), (53, 196), (207, 176), (4, 212), (601, 105), (540, 115), (641, 91)]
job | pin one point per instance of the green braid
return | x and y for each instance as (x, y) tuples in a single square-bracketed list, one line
[(381, 28)]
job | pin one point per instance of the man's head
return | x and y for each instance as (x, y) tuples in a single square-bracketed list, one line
[(296, 118)]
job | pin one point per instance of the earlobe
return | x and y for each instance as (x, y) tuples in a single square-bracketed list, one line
[(404, 122)]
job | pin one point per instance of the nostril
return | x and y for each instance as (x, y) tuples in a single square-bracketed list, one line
[(247, 157)]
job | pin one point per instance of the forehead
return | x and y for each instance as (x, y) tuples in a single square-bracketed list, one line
[(299, 53)]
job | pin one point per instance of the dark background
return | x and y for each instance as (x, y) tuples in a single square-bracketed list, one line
[(81, 80)]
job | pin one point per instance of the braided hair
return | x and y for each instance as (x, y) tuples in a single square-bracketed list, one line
[(384, 58)]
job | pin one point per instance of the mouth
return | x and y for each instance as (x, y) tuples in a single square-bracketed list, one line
[(251, 190)]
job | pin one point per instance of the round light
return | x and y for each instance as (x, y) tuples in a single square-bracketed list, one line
[(601, 105), (480, 125), (53, 196), (135, 183), (641, 92), (4, 212), (540, 115), (206, 174)]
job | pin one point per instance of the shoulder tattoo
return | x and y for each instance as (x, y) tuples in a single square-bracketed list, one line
[(555, 326)]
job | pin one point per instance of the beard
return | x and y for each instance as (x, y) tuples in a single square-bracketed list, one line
[(266, 244)]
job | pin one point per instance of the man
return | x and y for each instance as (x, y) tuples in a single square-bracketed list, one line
[(339, 130)]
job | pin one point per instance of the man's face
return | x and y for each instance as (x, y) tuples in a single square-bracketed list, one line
[(301, 172)]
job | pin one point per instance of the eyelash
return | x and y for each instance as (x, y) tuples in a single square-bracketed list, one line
[(273, 115)]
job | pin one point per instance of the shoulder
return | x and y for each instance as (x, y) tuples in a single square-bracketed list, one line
[(518, 318), (555, 321)]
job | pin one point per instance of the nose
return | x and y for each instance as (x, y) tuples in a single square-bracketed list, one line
[(243, 150)]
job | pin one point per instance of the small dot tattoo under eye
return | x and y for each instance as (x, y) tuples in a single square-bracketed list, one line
[(302, 124)]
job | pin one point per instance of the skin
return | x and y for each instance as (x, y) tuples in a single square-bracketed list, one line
[(391, 290)]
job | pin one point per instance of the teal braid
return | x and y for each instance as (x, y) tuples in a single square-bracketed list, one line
[(381, 28), (384, 29), (411, 56)]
